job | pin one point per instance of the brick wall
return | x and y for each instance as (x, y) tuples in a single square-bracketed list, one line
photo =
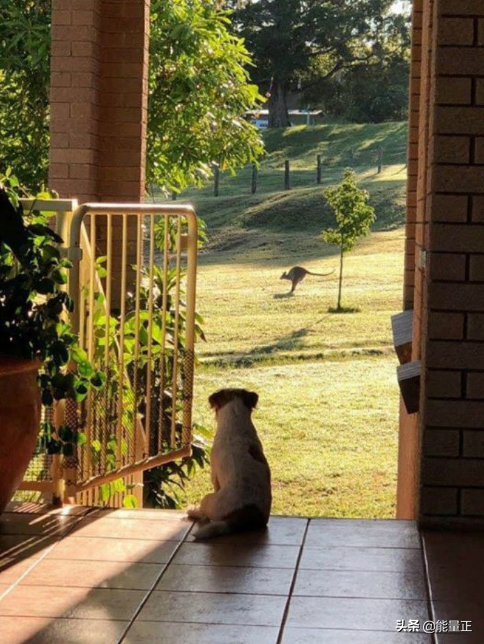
[(449, 260), (99, 63)]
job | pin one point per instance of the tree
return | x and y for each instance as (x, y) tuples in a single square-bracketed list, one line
[(300, 43), (199, 94), (199, 91), (24, 89), (354, 217), (375, 91)]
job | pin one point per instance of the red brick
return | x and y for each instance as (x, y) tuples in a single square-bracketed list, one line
[(82, 171), (478, 209), (78, 33), (446, 326), (454, 413), (473, 444), (443, 384), (439, 500), (447, 266), (479, 150), (461, 7), (84, 79), (72, 156), (452, 471), (82, 110), (89, 18), (451, 149), (475, 387), (60, 48), (73, 188), (475, 326), (120, 71), (480, 32), (441, 442), (83, 49), (455, 355), (74, 64), (455, 31), (59, 110), (85, 141), (459, 60), (73, 95), (62, 18), (459, 120), (59, 140), (476, 272), (472, 502), (58, 170), (457, 178), (449, 208), (60, 79)]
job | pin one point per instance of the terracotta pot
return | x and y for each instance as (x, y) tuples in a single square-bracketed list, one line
[(19, 422)]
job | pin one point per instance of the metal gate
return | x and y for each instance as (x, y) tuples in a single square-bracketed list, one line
[(133, 285)]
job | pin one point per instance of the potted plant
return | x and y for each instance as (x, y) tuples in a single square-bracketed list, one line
[(36, 342)]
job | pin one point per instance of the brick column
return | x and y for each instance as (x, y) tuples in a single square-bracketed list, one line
[(99, 63), (449, 289)]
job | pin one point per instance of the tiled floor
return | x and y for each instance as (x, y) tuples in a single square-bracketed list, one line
[(79, 576)]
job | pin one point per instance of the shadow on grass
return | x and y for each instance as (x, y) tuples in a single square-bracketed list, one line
[(280, 296), (344, 309)]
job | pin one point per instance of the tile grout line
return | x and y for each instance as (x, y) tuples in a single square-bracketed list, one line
[(292, 586), (430, 602), (58, 539), (153, 586)]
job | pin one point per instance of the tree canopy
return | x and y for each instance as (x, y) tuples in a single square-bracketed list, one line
[(300, 44), (199, 91)]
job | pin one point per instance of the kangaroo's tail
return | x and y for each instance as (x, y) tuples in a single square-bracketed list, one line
[(321, 274), (214, 529)]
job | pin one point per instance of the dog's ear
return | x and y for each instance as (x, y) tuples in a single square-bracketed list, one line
[(217, 400), (250, 399)]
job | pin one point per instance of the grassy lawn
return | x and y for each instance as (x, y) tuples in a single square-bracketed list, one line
[(328, 393)]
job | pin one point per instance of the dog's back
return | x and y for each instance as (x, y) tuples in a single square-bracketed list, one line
[(240, 471)]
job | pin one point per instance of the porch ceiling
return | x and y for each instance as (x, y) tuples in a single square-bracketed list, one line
[(87, 576)]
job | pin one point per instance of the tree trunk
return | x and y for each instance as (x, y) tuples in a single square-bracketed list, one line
[(340, 286), (278, 116)]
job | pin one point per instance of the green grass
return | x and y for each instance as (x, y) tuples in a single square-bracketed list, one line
[(328, 393)]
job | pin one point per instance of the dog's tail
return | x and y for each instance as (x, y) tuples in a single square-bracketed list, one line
[(214, 529)]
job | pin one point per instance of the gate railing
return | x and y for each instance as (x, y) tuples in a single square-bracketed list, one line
[(133, 285)]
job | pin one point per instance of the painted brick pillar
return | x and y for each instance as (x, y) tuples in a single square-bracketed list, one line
[(449, 278), (99, 63)]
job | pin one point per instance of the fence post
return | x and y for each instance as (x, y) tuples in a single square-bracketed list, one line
[(380, 160), (318, 168), (216, 176), (174, 195), (253, 182), (287, 177)]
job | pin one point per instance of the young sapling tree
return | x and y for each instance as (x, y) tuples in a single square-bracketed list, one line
[(354, 217)]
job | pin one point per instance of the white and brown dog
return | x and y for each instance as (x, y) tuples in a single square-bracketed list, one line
[(240, 473)]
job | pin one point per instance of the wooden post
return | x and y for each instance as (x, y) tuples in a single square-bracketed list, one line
[(380, 160), (253, 183), (318, 168), (174, 195), (287, 177), (216, 177)]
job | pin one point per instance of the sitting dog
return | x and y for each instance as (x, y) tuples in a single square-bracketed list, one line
[(239, 470)]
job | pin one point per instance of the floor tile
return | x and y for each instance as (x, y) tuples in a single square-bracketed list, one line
[(471, 611), (224, 554), (214, 608), (12, 571), (371, 559), (90, 574), (38, 524), (26, 507), (358, 614), (15, 547), (324, 636), (348, 532), (105, 549), (353, 583), (140, 514), (132, 529), (285, 531), (174, 633), (81, 603), (223, 579), (41, 630)]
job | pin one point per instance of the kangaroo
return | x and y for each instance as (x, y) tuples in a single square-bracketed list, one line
[(298, 273)]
